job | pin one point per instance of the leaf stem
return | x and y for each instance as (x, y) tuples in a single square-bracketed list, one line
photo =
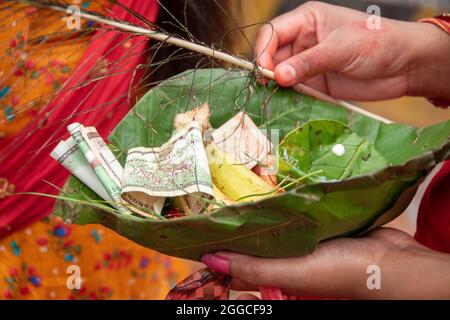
[(244, 64)]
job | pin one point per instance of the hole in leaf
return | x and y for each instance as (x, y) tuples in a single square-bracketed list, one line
[(366, 157)]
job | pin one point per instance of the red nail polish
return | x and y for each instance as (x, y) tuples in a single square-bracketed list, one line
[(217, 263)]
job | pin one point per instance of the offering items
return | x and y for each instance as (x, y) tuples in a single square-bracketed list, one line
[(186, 175)]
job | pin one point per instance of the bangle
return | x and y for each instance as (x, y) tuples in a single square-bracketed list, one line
[(443, 22)]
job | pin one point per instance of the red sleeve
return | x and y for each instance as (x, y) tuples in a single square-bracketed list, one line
[(433, 221)]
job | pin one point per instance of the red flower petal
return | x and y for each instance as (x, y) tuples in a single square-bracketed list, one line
[(13, 272), (42, 241), (8, 294), (24, 291), (18, 73), (15, 100), (29, 64), (31, 270)]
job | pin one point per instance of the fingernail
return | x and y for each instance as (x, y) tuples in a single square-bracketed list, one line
[(217, 263), (286, 73)]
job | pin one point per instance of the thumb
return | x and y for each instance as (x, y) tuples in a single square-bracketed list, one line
[(308, 64)]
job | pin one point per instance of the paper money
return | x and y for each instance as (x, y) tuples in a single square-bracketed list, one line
[(141, 205), (144, 204), (242, 140), (79, 132), (68, 154), (102, 152), (177, 168)]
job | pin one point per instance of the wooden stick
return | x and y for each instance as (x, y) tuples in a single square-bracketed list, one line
[(244, 64)]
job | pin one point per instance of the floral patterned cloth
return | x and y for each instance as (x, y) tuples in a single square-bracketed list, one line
[(34, 261), (34, 264), (37, 57)]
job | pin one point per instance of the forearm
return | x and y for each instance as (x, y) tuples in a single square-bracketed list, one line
[(429, 67), (430, 272)]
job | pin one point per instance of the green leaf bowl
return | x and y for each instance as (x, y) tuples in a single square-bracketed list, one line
[(287, 224)]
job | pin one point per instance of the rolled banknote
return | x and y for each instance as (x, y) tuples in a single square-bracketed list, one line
[(243, 141), (113, 189), (177, 168), (144, 204), (102, 152), (68, 154)]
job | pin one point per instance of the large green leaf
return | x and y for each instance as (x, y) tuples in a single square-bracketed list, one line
[(309, 148), (288, 224)]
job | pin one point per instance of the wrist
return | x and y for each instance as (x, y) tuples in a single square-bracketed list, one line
[(428, 66), (416, 273), (429, 275)]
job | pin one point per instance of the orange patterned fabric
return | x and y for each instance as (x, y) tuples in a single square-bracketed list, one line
[(37, 57), (35, 264), (34, 261)]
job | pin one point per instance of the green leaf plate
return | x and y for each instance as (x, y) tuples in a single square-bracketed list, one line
[(288, 224)]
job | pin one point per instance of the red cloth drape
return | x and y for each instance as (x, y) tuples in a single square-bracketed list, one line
[(24, 158), (433, 221)]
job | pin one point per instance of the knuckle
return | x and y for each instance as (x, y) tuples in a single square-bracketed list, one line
[(313, 10), (266, 28), (305, 62), (312, 4), (263, 37)]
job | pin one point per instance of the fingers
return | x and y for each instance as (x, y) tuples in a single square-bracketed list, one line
[(282, 54), (340, 264), (260, 271), (281, 32), (305, 43), (276, 273), (266, 46), (239, 285), (308, 64)]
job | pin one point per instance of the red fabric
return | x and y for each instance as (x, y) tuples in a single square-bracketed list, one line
[(202, 285), (433, 221), (25, 160)]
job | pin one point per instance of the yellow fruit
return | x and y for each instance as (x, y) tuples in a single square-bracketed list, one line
[(219, 196), (236, 181)]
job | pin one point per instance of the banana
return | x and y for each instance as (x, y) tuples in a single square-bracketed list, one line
[(236, 181), (219, 196)]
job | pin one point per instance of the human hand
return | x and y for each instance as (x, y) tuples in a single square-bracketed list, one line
[(331, 49), (338, 269)]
